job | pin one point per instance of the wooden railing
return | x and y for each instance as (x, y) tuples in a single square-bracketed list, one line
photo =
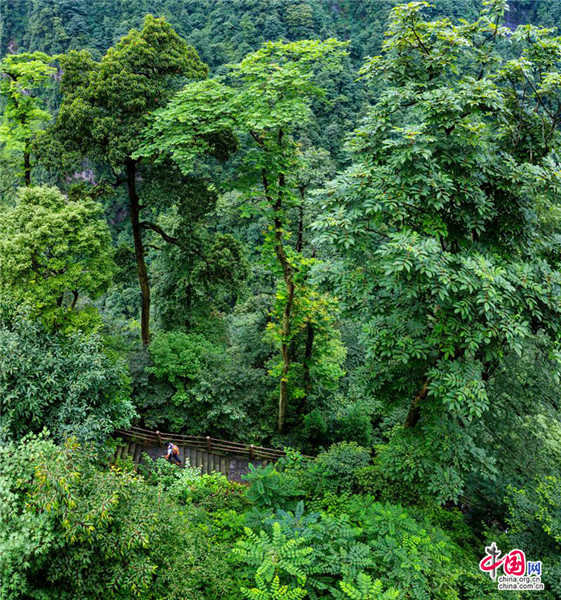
[(207, 443), (209, 454)]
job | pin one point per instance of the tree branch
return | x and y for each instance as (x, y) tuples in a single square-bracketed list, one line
[(168, 238), (257, 138)]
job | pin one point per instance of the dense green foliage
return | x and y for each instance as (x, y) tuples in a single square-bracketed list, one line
[(455, 209), (267, 104), (106, 105), (329, 227), (85, 531), (21, 78), (65, 383), (222, 32), (53, 251)]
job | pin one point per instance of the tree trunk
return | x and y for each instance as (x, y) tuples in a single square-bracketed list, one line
[(188, 305), (310, 333), (134, 211), (283, 388), (300, 236), (414, 410), (27, 167), (288, 276), (74, 299)]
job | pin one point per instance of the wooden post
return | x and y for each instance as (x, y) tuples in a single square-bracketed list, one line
[(208, 445), (251, 452), (159, 437)]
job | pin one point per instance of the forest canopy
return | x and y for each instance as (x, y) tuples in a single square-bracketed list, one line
[(328, 229)]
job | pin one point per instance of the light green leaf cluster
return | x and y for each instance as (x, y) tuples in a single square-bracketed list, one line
[(21, 78), (54, 250), (367, 589), (270, 90), (276, 558)]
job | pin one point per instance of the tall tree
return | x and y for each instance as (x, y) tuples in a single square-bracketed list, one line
[(52, 251), (22, 77), (447, 223), (106, 105), (267, 101)]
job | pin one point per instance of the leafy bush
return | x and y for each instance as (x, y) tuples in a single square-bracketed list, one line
[(197, 385), (181, 361), (366, 589), (212, 493), (411, 554), (335, 470), (64, 383), (286, 565), (70, 530), (270, 488), (280, 563), (163, 473), (53, 250), (534, 519), (337, 553), (350, 422), (354, 424), (375, 480), (314, 430), (357, 542)]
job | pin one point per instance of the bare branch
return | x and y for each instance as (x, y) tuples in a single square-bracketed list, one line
[(152, 226)]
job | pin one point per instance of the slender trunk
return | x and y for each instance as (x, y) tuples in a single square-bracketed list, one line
[(283, 389), (27, 166), (134, 211), (288, 275), (414, 409), (300, 237), (188, 305), (74, 299), (310, 333)]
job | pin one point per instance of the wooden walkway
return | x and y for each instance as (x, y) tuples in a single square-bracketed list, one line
[(209, 454)]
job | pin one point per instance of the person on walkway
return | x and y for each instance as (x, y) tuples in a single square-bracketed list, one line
[(172, 454)]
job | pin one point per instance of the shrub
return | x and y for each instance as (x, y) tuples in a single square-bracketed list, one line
[(354, 424), (314, 431), (271, 488), (70, 530), (163, 473), (534, 519), (213, 492), (335, 470), (67, 384), (357, 542)]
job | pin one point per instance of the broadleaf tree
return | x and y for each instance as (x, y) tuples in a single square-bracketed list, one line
[(54, 251), (445, 224), (265, 100), (22, 78), (106, 105), (65, 383)]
